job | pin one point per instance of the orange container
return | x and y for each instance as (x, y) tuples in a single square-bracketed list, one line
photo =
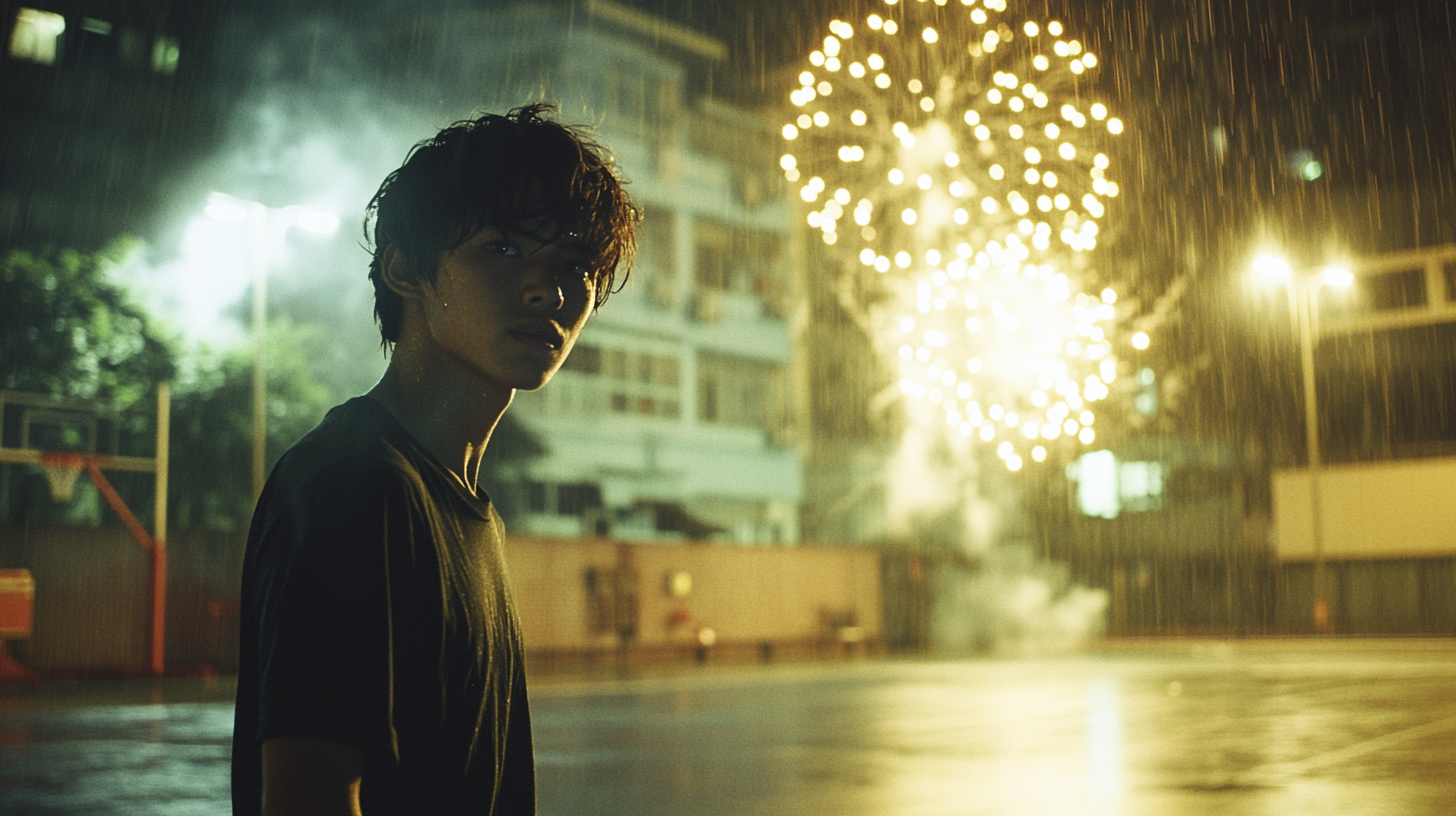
[(17, 603)]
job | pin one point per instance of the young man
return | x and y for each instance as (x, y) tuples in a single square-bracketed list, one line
[(381, 664)]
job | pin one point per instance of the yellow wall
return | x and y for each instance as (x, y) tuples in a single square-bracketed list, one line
[(746, 595), (1380, 510)]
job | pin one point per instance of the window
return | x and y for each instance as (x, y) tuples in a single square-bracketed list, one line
[(165, 53), (641, 383), (657, 256), (634, 382), (576, 499), (1107, 487), (568, 499), (94, 44), (738, 391), (734, 259), (37, 36), (584, 358)]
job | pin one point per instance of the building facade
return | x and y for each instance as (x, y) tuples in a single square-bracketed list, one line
[(673, 418), (99, 103)]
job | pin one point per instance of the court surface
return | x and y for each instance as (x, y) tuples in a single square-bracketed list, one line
[(1172, 727)]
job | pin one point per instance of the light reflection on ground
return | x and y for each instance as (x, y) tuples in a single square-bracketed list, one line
[(1330, 727)]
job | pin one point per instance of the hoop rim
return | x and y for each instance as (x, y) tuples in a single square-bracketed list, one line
[(67, 459), (61, 472)]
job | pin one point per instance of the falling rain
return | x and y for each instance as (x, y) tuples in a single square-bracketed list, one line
[(1015, 406)]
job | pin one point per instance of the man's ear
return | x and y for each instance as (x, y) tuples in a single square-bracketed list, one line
[(398, 277)]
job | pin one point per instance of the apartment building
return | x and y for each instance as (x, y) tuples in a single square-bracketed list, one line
[(673, 419)]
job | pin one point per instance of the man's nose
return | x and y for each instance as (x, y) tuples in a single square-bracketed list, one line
[(541, 288)]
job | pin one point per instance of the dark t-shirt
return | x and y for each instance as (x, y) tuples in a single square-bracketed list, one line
[(376, 612)]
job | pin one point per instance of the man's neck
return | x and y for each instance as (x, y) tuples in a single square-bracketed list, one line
[(452, 416)]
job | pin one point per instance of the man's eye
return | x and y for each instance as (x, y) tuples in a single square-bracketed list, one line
[(505, 248)]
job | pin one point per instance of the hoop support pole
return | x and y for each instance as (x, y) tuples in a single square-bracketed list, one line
[(155, 544), (159, 528), (112, 498), (158, 553)]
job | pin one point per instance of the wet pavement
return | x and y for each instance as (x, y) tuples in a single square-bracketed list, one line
[(1179, 727)]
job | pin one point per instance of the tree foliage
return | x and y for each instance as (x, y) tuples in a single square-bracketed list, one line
[(68, 329), (212, 424)]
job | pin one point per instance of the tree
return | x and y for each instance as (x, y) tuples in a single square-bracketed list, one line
[(67, 328), (212, 423)]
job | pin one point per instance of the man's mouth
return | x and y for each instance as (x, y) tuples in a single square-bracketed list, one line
[(542, 335)]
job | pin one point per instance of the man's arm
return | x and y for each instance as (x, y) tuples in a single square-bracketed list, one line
[(303, 776)]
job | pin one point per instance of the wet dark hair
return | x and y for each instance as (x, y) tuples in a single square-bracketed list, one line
[(521, 173)]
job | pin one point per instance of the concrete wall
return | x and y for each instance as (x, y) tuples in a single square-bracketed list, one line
[(1382, 510), (746, 595), (92, 613), (92, 610)]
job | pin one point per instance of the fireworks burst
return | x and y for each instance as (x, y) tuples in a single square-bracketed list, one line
[(956, 156)]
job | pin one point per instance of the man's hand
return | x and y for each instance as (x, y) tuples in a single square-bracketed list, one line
[(303, 776)]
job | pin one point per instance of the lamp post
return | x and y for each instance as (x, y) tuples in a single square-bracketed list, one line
[(1304, 320), (267, 227)]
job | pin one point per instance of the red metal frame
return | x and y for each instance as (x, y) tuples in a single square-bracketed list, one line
[(155, 547)]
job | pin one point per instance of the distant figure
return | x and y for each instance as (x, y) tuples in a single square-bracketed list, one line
[(381, 668)]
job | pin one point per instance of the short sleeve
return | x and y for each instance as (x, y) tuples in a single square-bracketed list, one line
[(325, 563)]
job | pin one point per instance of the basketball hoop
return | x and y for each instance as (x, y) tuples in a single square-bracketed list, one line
[(61, 470), (47, 421)]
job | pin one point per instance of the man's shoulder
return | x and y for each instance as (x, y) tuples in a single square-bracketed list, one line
[(335, 486), (358, 445)]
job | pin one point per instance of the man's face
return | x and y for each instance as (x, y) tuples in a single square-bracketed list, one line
[(507, 309)]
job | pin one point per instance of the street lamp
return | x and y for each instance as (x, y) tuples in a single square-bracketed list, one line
[(267, 227), (1304, 319)]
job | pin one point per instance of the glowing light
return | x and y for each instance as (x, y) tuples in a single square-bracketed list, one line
[(226, 209), (1141, 341), (990, 334), (317, 221), (1337, 276), (1271, 269)]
